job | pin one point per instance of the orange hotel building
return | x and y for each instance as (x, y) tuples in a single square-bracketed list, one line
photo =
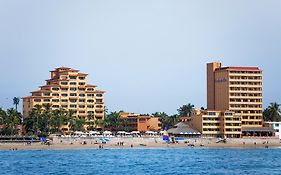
[(68, 89)]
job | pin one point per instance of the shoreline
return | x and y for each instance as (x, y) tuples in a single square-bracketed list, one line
[(141, 143)]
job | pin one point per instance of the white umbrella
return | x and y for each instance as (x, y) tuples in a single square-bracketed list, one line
[(121, 132), (94, 132), (135, 132), (107, 132)]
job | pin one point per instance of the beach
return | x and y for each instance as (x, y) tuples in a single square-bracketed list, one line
[(140, 142)]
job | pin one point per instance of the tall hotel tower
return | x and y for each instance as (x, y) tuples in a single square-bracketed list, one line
[(237, 89), (68, 89)]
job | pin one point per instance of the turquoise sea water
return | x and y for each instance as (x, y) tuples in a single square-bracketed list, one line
[(143, 161)]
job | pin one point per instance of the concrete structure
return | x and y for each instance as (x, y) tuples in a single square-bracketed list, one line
[(212, 123), (237, 89), (276, 126), (141, 123), (68, 89)]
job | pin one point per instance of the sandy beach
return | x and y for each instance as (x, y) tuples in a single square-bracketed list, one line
[(119, 143)]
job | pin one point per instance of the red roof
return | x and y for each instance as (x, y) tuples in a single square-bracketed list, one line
[(240, 68)]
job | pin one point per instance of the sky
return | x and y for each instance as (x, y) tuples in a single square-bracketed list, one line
[(148, 55)]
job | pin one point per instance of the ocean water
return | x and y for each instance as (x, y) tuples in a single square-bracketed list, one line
[(142, 161)]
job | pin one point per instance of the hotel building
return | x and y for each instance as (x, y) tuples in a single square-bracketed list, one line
[(141, 123), (237, 89), (216, 123), (68, 89)]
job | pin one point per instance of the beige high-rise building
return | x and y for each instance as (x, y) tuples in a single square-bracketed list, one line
[(238, 89), (216, 123), (68, 89)]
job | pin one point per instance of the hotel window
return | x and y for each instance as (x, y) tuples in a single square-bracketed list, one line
[(63, 83), (90, 95), (81, 78), (64, 89), (81, 83), (46, 94), (47, 100), (72, 83), (81, 95), (90, 101), (72, 77), (37, 100), (91, 112), (56, 106), (72, 89), (72, 101), (99, 95), (99, 106), (55, 95), (64, 100), (64, 106), (72, 106), (72, 94), (81, 89), (90, 89), (90, 106), (55, 100), (81, 100), (55, 88), (64, 95), (211, 113), (82, 112), (81, 106)]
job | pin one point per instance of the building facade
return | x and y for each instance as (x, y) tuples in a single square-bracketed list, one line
[(141, 123), (68, 89), (212, 123), (237, 89), (276, 126)]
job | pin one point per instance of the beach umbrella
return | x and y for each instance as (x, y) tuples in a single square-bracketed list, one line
[(107, 132)]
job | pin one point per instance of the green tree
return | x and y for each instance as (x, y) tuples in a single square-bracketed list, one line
[(16, 101), (186, 110), (11, 121), (113, 121), (272, 113)]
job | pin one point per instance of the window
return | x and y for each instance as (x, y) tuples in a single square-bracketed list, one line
[(72, 94), (211, 113), (99, 95), (72, 83), (81, 100), (64, 95), (81, 106), (64, 106), (47, 94), (37, 100), (90, 89), (72, 77), (72, 106), (90, 101), (47, 100), (81, 78), (64, 100), (63, 83), (64, 89), (55, 88), (72, 89), (81, 95), (55, 95), (56, 106), (81, 83), (55, 100)]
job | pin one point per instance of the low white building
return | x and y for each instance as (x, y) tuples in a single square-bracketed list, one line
[(277, 127)]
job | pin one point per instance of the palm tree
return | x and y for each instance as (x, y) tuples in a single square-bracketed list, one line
[(272, 112), (16, 101), (113, 121), (90, 122), (186, 110), (12, 120)]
